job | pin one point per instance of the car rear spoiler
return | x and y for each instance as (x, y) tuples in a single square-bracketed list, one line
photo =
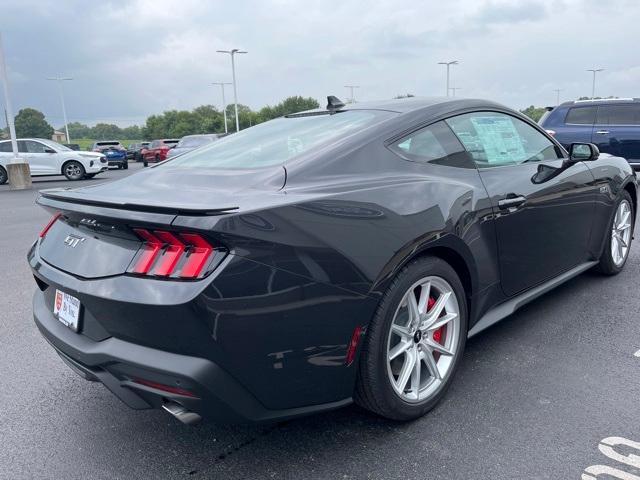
[(58, 198)]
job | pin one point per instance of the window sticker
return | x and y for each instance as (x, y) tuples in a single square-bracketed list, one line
[(499, 137)]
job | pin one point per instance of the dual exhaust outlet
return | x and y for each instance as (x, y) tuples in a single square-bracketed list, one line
[(181, 413)]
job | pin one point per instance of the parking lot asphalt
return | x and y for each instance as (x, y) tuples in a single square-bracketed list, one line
[(532, 400)]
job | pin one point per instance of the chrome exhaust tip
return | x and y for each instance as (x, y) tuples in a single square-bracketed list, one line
[(181, 413)]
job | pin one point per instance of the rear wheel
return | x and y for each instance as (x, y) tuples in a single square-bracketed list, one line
[(3, 176), (73, 170), (414, 343), (619, 236), (157, 158), (125, 165)]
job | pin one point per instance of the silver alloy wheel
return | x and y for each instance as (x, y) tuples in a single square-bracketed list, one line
[(73, 170), (621, 233), (423, 339)]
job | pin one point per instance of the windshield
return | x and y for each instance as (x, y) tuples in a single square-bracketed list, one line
[(194, 141), (56, 146), (276, 141)]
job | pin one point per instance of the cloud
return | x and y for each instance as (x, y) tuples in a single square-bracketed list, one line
[(133, 58)]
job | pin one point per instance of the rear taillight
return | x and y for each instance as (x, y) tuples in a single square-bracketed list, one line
[(172, 254), (48, 226)]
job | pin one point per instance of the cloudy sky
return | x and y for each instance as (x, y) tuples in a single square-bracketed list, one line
[(132, 58)]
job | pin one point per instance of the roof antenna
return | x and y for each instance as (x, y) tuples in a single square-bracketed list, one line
[(334, 103)]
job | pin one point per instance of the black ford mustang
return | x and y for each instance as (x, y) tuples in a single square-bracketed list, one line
[(322, 258)]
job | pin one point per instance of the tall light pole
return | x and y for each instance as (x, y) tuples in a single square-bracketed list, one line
[(352, 87), (232, 53), (454, 89), (17, 169), (60, 79), (557, 90), (448, 64), (224, 103), (593, 84)]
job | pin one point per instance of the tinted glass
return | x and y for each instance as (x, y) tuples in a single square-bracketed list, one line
[(276, 141), (154, 144), (619, 115), (5, 147), (581, 116), (434, 144), (194, 141), (496, 139), (34, 147)]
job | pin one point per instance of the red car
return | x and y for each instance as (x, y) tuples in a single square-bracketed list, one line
[(157, 150)]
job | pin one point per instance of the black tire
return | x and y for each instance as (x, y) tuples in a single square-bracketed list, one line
[(3, 176), (374, 391), (157, 158), (145, 163), (607, 265), (125, 165), (73, 170)]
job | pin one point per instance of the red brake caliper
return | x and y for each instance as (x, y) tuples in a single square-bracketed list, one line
[(437, 335)]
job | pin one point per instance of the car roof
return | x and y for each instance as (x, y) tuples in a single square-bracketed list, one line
[(599, 101), (415, 104)]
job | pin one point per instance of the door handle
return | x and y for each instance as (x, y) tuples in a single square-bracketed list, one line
[(511, 201), (602, 132)]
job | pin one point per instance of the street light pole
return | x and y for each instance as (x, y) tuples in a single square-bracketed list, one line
[(448, 64), (64, 110), (557, 90), (593, 83), (352, 87), (224, 104), (18, 171), (232, 53)]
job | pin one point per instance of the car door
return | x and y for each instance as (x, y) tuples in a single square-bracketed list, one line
[(543, 210), (40, 158), (617, 130)]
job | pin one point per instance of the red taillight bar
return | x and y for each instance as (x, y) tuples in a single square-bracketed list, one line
[(50, 224), (163, 254), (150, 249), (199, 254)]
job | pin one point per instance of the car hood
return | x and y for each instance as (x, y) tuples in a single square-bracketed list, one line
[(182, 190), (89, 154)]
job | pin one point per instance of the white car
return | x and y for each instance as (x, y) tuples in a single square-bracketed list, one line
[(46, 157)]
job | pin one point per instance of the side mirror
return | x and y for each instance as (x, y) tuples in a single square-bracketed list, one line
[(583, 152), (49, 150)]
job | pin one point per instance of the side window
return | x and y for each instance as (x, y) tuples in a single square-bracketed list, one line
[(154, 144), (619, 115), (22, 146), (5, 147), (581, 116), (34, 147), (496, 139), (434, 144)]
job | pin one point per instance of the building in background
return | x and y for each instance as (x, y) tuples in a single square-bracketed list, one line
[(59, 136)]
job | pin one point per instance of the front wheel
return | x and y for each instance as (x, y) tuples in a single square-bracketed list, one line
[(3, 176), (125, 165), (414, 342), (73, 170), (619, 236)]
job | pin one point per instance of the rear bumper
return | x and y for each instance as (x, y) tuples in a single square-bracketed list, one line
[(118, 364), (116, 161)]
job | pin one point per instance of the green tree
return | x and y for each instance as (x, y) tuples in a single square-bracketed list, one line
[(534, 113), (132, 133), (287, 106), (77, 130), (106, 131), (31, 123)]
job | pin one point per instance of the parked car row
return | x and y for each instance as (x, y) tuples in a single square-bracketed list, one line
[(114, 151)]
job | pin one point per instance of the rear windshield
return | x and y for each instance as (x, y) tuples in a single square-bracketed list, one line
[(107, 144), (194, 141), (276, 141)]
